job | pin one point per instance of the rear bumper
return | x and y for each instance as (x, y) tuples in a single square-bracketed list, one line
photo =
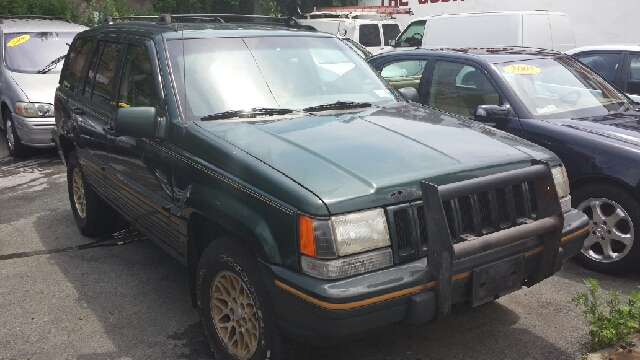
[(35, 132), (327, 312)]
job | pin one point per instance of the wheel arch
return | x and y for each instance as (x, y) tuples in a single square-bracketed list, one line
[(67, 146), (605, 179), (202, 231)]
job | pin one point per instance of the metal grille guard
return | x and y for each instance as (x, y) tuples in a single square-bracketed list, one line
[(441, 252)]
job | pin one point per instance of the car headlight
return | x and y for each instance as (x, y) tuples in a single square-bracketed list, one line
[(561, 181), (28, 109), (341, 245)]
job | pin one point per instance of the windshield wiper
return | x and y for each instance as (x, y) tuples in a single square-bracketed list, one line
[(50, 65), (338, 105), (247, 113)]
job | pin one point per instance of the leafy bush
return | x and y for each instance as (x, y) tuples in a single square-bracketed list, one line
[(611, 321)]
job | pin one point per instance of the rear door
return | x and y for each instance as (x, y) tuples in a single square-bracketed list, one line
[(94, 108)]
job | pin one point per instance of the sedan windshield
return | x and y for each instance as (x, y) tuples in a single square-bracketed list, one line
[(231, 74), (561, 87), (31, 52)]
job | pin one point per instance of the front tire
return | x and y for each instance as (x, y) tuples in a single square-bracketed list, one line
[(92, 215), (614, 214), (234, 305), (15, 146)]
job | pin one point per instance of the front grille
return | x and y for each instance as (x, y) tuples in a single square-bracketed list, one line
[(468, 217)]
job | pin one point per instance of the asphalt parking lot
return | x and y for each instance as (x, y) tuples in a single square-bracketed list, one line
[(64, 296)]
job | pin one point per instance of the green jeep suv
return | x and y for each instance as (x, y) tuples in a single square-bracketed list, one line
[(305, 197)]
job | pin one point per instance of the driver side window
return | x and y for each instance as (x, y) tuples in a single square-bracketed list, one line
[(137, 88), (412, 35), (459, 89)]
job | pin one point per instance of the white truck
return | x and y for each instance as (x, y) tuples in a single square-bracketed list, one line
[(374, 27), (595, 22)]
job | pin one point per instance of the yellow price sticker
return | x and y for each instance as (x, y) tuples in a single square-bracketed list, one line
[(522, 69), (19, 40)]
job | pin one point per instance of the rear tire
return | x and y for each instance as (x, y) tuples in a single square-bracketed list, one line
[(614, 226), (15, 146), (234, 305), (93, 216)]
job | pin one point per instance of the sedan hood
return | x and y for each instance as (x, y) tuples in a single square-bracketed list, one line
[(37, 87), (620, 126), (366, 158)]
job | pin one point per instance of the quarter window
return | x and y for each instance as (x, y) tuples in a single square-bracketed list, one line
[(459, 89), (606, 65), (137, 87), (77, 56)]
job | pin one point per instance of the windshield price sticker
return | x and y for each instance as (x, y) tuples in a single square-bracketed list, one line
[(19, 40), (522, 69)]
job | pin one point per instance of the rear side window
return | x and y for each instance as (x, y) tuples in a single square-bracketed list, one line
[(100, 80), (369, 35), (633, 74), (606, 65), (137, 87), (412, 35), (390, 32), (78, 54)]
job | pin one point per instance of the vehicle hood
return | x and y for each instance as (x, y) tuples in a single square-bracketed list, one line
[(377, 156), (620, 126), (37, 87)]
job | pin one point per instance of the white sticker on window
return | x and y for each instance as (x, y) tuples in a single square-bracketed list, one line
[(547, 109)]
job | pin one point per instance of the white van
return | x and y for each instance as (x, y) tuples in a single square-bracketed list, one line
[(372, 27), (539, 29)]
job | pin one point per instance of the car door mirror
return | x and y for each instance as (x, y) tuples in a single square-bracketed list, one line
[(491, 114), (392, 43), (409, 94), (137, 122)]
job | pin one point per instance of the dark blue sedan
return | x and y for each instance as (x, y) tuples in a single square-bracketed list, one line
[(552, 100)]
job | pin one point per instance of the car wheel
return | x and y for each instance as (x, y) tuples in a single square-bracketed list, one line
[(93, 216), (234, 305), (614, 215), (14, 144)]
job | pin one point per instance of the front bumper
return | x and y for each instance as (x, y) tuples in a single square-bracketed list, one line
[(35, 132), (325, 312)]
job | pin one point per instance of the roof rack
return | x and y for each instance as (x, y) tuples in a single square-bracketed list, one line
[(29, 17), (166, 19)]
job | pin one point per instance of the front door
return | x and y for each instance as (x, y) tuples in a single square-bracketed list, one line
[(143, 166)]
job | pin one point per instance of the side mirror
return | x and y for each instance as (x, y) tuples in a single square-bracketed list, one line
[(491, 114), (137, 122), (392, 43), (410, 94)]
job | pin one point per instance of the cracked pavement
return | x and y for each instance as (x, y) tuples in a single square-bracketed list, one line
[(64, 296)]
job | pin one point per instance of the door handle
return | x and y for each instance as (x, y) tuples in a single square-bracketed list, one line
[(77, 110), (110, 131)]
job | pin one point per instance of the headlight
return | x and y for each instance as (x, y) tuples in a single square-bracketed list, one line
[(340, 236), (561, 181), (34, 109)]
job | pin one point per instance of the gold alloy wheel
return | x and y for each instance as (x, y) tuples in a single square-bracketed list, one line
[(78, 193), (234, 315)]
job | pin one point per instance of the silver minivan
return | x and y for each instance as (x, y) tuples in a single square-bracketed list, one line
[(32, 52)]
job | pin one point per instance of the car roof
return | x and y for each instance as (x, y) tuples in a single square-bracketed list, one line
[(177, 30), (489, 54), (611, 47), (486, 13), (9, 25)]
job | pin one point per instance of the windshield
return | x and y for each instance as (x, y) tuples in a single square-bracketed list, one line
[(30, 52), (228, 74), (561, 87)]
